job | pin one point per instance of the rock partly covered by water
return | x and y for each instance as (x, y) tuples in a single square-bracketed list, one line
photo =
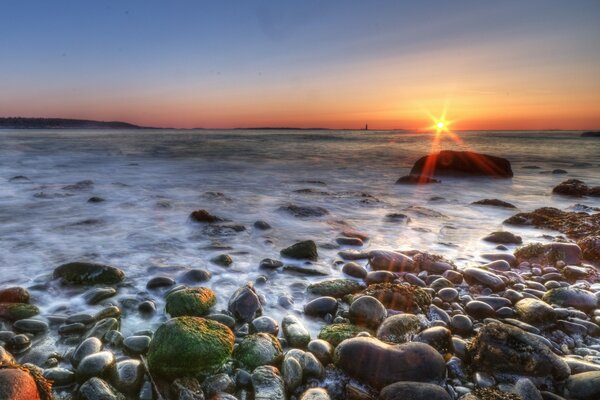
[(379, 364), (189, 346), (576, 188), (87, 273), (494, 203), (244, 304), (504, 350), (306, 249), (461, 163), (573, 224)]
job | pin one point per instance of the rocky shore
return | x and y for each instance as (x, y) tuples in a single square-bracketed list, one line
[(404, 324)]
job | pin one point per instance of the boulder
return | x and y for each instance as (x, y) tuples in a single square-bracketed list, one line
[(86, 273), (336, 333), (400, 297), (194, 302), (573, 224), (572, 297), (584, 386), (378, 364), (504, 351), (461, 163), (17, 384), (189, 346)]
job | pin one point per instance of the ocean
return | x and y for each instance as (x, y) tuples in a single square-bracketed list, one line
[(151, 180)]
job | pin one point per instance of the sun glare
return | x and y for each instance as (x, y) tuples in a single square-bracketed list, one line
[(440, 125)]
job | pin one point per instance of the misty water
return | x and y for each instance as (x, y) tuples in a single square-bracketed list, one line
[(152, 180)]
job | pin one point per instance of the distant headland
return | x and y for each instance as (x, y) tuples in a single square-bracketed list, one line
[(63, 123)]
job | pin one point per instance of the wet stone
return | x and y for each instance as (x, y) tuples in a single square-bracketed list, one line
[(31, 326), (196, 275), (355, 270), (96, 295), (96, 388), (321, 306), (137, 344), (97, 364), (59, 376), (128, 376), (159, 282), (87, 347)]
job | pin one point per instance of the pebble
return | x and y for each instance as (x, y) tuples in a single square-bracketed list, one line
[(137, 344), (321, 306), (354, 270), (160, 282), (97, 364), (31, 326)]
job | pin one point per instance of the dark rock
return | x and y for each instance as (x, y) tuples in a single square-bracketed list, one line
[(494, 203), (380, 277), (269, 263), (335, 287), (366, 358), (295, 332), (559, 172), (159, 282), (573, 224), (128, 376), (401, 297), (572, 297), (321, 349), (96, 295), (591, 134), (321, 306), (96, 388), (349, 241), (483, 277), (17, 311), (302, 250), (479, 309), (85, 273), (461, 163), (222, 260), (258, 349), (438, 337), (244, 304), (265, 324), (415, 180), (504, 350), (572, 187), (95, 199), (196, 275), (216, 386), (262, 225), (461, 324), (87, 347), (590, 248), (267, 384), (204, 216), (137, 344), (397, 217), (98, 364), (584, 386), (367, 311), (81, 185), (354, 270), (413, 391), (31, 326), (59, 376), (398, 328), (306, 270), (304, 211), (503, 237), (535, 312)]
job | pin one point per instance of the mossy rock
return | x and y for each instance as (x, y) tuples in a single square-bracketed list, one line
[(401, 297), (258, 349), (335, 287), (85, 273), (195, 302), (306, 249), (337, 333), (17, 311), (189, 346)]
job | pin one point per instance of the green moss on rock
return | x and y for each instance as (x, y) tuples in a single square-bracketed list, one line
[(17, 311), (194, 302), (337, 333), (335, 287), (258, 349), (189, 346)]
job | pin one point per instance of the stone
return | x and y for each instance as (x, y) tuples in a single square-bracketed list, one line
[(89, 346), (335, 287), (503, 237), (494, 203), (14, 295), (415, 180), (87, 273), (265, 324), (216, 385), (535, 312), (574, 224), (187, 388), (590, 248), (192, 302), (315, 394), (486, 278), (96, 388), (258, 349), (321, 306), (196, 275), (321, 349), (572, 187), (306, 249), (378, 364), (461, 163), (17, 311), (137, 344), (505, 351), (479, 310), (204, 216), (160, 282), (59, 376), (572, 297), (367, 311), (527, 390), (291, 371), (222, 260), (102, 327), (244, 304), (16, 384), (128, 376), (304, 211), (262, 225), (584, 386), (461, 324), (267, 384), (438, 337), (269, 263), (189, 346), (294, 331), (354, 270), (98, 364), (390, 261), (400, 297), (31, 326), (413, 391), (336, 333), (399, 328), (96, 295)]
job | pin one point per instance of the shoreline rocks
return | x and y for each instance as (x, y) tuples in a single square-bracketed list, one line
[(87, 273), (461, 163)]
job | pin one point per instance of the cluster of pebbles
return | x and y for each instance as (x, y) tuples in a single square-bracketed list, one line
[(399, 325)]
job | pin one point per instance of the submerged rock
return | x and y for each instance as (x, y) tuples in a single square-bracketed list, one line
[(378, 364), (304, 211), (461, 163), (189, 346), (204, 216), (306, 249), (575, 188), (86, 273), (503, 237), (504, 351), (416, 180), (192, 301), (494, 203)]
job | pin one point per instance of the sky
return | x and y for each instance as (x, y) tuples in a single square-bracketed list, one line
[(392, 64)]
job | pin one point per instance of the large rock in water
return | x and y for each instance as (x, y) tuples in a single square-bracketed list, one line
[(573, 224), (461, 163), (371, 361), (189, 346), (86, 273), (504, 351), (192, 301)]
